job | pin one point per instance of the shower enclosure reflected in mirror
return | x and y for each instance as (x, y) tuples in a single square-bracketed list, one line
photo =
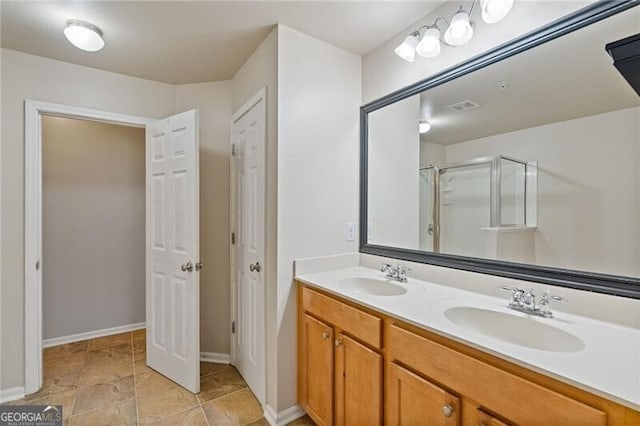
[(464, 207), (531, 166)]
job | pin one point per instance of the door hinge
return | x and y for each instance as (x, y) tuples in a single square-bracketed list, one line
[(233, 149), (233, 238), (37, 265), (233, 327)]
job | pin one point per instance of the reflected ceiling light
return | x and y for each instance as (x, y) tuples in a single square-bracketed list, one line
[(84, 35), (429, 46), (495, 10), (424, 126), (426, 41), (460, 30), (407, 49)]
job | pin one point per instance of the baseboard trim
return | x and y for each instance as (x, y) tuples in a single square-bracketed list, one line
[(11, 394), (215, 357), (283, 417), (91, 334)]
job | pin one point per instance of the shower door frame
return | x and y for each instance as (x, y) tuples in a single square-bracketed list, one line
[(495, 185)]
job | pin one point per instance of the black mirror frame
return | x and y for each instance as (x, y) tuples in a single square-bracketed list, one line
[(601, 283)]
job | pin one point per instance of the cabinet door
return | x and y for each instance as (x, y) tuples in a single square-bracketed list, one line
[(485, 419), (412, 400), (358, 383), (316, 370)]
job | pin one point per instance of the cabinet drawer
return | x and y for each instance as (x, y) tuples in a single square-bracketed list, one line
[(515, 398), (355, 322)]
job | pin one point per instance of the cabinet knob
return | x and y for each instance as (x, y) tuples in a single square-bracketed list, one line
[(447, 410), (338, 342), (326, 335)]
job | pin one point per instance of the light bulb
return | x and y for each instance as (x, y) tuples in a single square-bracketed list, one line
[(407, 49), (84, 35), (424, 126), (429, 46), (495, 10), (460, 30)]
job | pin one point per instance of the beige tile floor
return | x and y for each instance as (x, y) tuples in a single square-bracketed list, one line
[(106, 381)]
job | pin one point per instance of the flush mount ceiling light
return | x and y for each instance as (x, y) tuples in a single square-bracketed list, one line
[(84, 35), (424, 126), (426, 41)]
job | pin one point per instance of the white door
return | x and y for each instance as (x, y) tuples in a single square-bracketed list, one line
[(172, 282), (248, 137)]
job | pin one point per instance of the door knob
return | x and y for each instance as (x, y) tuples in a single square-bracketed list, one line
[(256, 267), (326, 335), (447, 410), (338, 343), (199, 266), (187, 267)]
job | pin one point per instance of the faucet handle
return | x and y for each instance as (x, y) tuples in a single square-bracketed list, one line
[(513, 289), (547, 296), (516, 295), (384, 267)]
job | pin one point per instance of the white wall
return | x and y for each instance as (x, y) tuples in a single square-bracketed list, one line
[(93, 216), (213, 100), (32, 77), (588, 188), (384, 72), (431, 154), (394, 162), (261, 70), (318, 99)]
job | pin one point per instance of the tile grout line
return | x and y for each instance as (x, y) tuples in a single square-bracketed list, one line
[(206, 419)]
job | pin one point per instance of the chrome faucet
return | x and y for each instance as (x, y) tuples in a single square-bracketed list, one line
[(525, 301), (396, 273)]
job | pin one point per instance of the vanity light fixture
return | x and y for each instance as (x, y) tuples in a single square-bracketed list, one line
[(84, 35), (424, 126), (495, 10), (426, 41), (429, 46), (407, 49), (460, 30)]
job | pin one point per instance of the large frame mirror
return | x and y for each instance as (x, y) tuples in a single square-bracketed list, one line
[(531, 167)]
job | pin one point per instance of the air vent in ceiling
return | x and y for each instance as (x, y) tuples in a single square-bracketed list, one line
[(463, 106)]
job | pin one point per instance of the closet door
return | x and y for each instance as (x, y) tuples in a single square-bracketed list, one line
[(172, 282)]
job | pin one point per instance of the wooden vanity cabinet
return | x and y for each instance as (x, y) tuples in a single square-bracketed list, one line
[(339, 366), (358, 383), (316, 369), (412, 400), (485, 419), (428, 379)]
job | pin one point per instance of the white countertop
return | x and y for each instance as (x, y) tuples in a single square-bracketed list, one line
[(608, 365)]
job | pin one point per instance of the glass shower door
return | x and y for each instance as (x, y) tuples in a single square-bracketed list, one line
[(465, 208), (427, 203)]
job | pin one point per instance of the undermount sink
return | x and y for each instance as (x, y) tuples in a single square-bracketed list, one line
[(518, 330), (372, 286)]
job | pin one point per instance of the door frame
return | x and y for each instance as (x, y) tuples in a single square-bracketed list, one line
[(260, 95), (33, 112)]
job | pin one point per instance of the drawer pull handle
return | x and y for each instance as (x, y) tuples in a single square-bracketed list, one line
[(338, 342), (447, 410), (326, 335)]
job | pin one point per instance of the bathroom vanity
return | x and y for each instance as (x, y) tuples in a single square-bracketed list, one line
[(372, 351)]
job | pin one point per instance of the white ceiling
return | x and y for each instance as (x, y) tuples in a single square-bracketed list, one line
[(187, 42), (567, 78)]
